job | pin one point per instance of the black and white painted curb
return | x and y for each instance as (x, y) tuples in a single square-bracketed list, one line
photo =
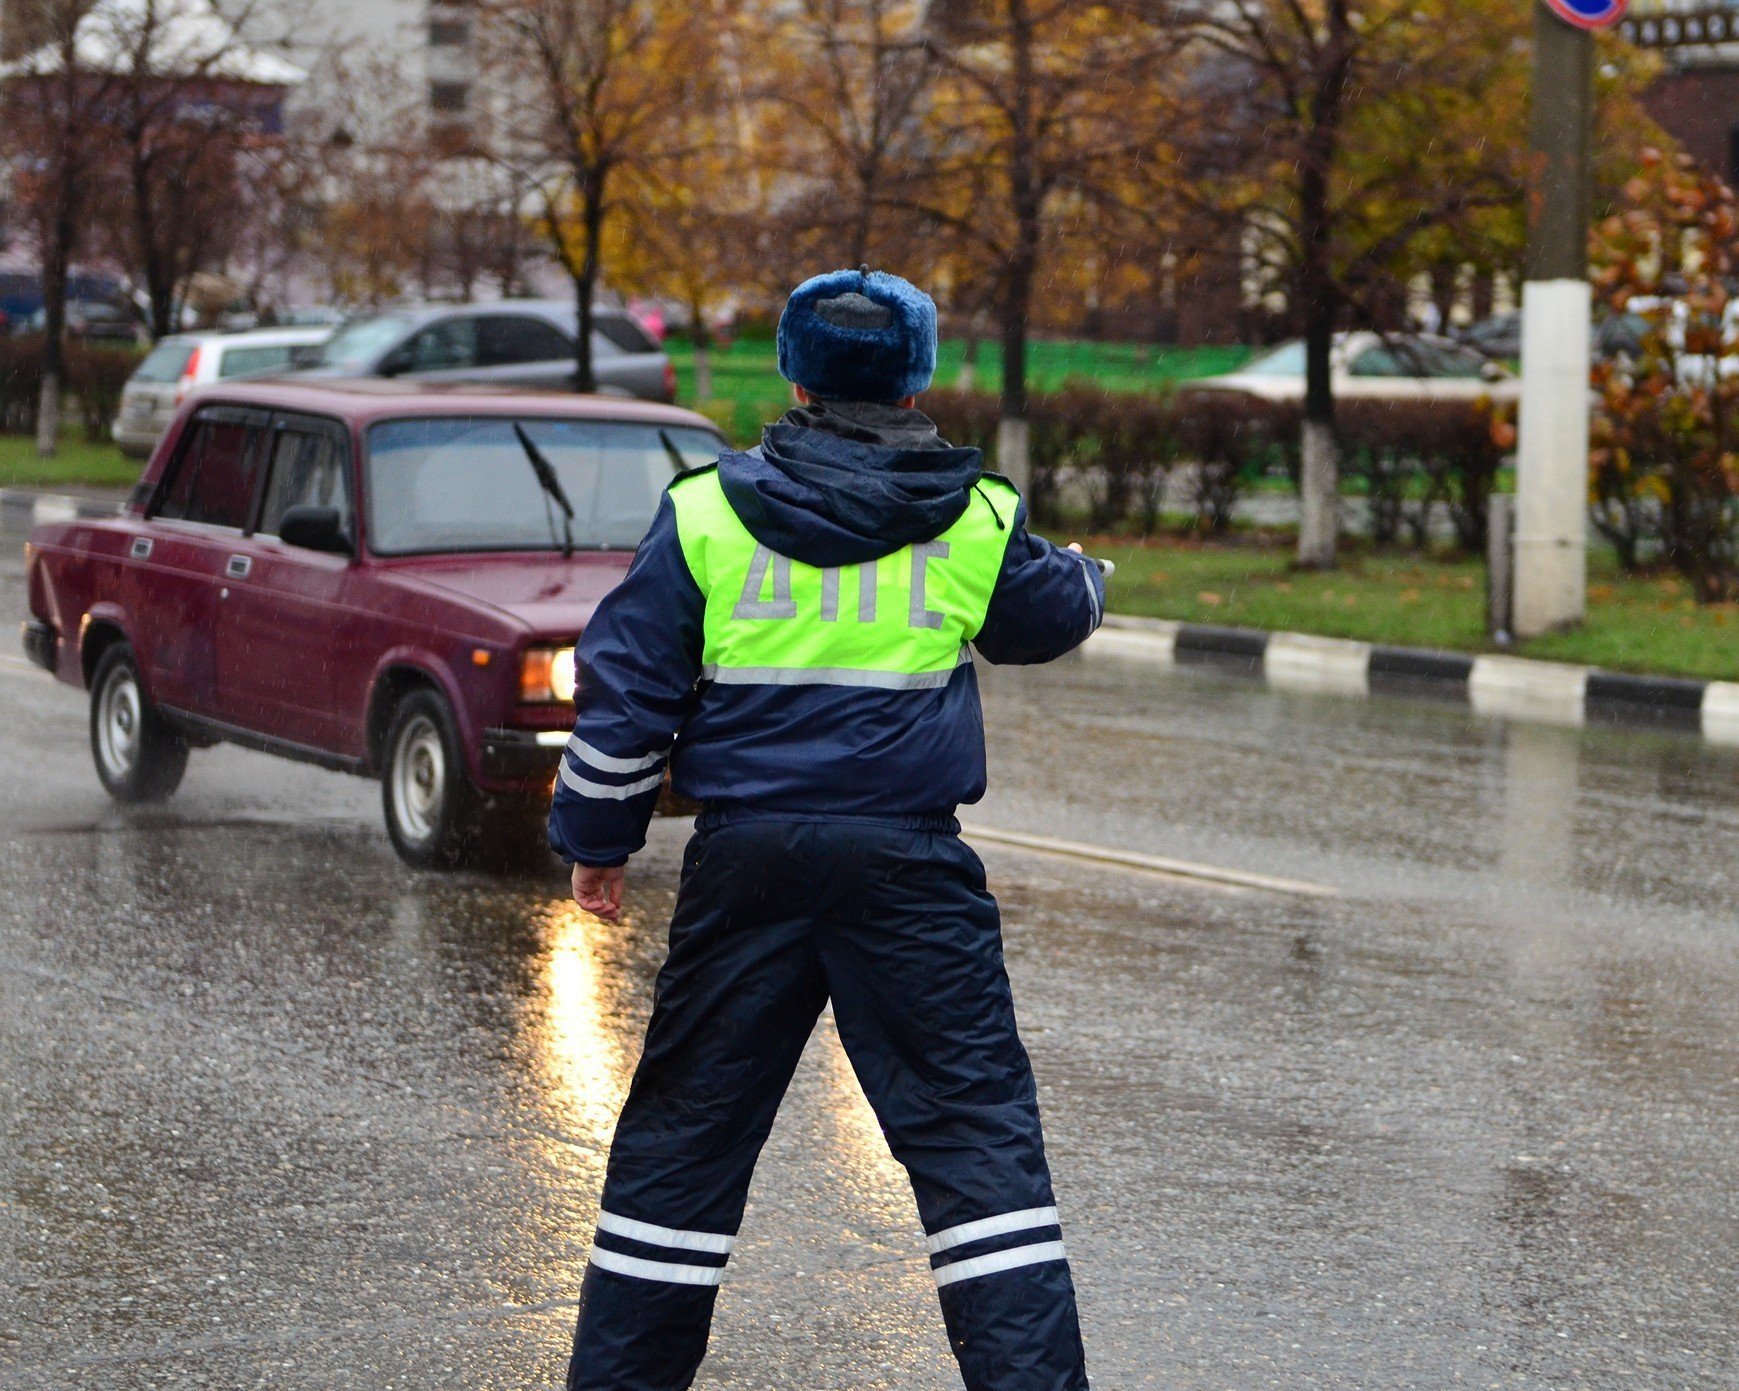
[(23, 508), (1517, 687)]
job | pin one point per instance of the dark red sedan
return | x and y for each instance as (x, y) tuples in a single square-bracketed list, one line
[(372, 576)]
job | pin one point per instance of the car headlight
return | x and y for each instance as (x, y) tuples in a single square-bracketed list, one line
[(546, 675)]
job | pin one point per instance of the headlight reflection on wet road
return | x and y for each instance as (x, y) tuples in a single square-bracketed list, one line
[(584, 1046)]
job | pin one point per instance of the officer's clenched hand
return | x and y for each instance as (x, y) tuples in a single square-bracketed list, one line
[(599, 891)]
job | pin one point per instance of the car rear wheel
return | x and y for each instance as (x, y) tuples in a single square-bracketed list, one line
[(140, 757)]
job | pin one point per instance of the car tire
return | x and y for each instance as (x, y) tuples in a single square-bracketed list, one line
[(140, 756), (433, 809)]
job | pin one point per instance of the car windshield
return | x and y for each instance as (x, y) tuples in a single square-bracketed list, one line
[(165, 362), (361, 340), (1285, 361), (463, 483)]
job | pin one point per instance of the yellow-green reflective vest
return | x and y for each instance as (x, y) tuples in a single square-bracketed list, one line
[(898, 623)]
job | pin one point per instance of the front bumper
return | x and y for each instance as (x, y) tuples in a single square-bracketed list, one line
[(40, 642), (518, 755)]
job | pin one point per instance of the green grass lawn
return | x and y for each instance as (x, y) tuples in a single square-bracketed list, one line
[(748, 390), (1635, 623), (79, 463)]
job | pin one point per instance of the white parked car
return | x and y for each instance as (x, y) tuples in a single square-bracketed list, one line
[(1376, 366), (183, 361)]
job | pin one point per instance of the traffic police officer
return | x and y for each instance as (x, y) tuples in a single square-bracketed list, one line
[(794, 638)]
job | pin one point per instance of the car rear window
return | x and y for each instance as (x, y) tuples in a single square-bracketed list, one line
[(239, 362), (624, 333), (464, 483), (166, 362)]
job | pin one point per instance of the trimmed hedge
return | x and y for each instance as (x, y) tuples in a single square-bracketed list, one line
[(1120, 452), (95, 375)]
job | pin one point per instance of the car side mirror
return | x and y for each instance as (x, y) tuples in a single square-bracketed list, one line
[(314, 529), (394, 363)]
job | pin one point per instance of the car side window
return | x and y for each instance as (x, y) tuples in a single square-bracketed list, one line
[(309, 469), (506, 339), (216, 472), (442, 347), (624, 334)]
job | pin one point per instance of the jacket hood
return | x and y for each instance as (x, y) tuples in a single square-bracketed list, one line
[(840, 484)]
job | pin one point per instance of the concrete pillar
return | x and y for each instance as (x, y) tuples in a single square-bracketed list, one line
[(1014, 451), (1551, 578), (1551, 558)]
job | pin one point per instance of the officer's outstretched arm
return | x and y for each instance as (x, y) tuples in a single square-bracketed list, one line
[(638, 662), (1047, 600)]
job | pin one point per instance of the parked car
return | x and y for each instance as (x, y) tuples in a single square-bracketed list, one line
[(1381, 366), (1499, 337), (184, 361), (21, 296), (1614, 335), (520, 343), (95, 321), (371, 576)]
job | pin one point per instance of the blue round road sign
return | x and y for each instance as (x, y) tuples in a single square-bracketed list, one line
[(1589, 14)]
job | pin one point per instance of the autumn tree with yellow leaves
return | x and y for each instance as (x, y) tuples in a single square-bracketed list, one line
[(589, 101)]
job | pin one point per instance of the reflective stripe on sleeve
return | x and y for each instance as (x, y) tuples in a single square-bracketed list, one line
[(1092, 595), (666, 1271), (606, 763), (1000, 1260), (603, 791), (1021, 1221), (673, 1237)]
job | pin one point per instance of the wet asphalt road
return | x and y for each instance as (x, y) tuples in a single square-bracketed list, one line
[(277, 1112)]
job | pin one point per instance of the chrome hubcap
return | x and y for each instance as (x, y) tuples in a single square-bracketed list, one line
[(419, 778), (119, 715)]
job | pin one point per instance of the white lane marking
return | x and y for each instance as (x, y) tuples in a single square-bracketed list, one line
[(1155, 864)]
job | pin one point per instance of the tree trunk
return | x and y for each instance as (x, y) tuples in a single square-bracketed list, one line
[(1443, 278), (62, 230), (703, 362), (586, 277), (1013, 457), (1319, 302), (150, 255), (1013, 437)]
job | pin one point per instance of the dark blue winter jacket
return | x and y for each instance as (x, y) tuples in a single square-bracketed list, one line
[(829, 486)]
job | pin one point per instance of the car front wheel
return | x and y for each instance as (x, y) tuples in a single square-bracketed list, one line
[(435, 816), (140, 757)]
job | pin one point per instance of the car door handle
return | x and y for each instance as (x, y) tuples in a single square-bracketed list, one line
[(239, 566)]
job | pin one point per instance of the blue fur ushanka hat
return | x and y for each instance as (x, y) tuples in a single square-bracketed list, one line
[(858, 335)]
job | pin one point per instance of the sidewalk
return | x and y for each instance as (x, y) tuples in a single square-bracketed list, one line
[(22, 508), (1516, 687)]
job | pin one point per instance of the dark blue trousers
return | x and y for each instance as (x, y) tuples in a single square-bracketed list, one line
[(891, 920)]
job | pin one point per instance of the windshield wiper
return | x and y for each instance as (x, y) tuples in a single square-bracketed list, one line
[(682, 465), (547, 480)]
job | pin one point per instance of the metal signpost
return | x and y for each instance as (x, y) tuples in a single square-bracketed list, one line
[(1552, 464)]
